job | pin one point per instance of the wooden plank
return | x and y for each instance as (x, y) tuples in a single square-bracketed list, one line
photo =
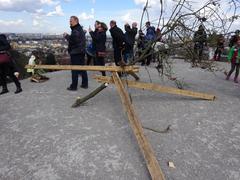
[(146, 149), (159, 88), (87, 68)]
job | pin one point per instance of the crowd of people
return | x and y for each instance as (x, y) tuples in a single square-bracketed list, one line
[(123, 46), (123, 50), (200, 40)]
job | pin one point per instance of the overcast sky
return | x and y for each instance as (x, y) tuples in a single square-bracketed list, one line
[(52, 16)]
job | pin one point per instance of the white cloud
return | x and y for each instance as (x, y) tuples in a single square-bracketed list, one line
[(49, 2), (129, 16), (58, 11), (25, 5), (36, 22), (7, 23), (84, 16)]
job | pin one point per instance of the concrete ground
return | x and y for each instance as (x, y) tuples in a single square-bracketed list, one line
[(43, 138)]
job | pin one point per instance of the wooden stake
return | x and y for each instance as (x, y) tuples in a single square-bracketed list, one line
[(86, 68), (79, 101), (152, 163), (159, 88)]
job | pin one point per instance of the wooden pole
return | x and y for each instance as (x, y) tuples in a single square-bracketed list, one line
[(79, 101), (86, 68), (158, 88), (152, 163)]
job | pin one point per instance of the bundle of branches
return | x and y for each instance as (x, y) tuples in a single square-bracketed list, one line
[(178, 26)]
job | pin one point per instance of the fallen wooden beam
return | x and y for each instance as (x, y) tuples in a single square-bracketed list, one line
[(158, 88), (151, 161), (79, 100), (86, 68)]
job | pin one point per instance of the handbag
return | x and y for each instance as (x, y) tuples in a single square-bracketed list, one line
[(4, 58), (101, 54)]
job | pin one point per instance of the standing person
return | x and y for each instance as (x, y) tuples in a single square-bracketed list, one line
[(117, 41), (220, 48), (7, 67), (234, 57), (91, 47), (99, 38), (76, 49), (141, 44), (149, 37), (130, 35), (199, 39)]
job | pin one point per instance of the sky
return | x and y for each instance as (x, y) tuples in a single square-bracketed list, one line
[(52, 16)]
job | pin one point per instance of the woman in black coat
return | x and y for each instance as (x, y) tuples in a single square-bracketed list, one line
[(7, 68), (99, 39)]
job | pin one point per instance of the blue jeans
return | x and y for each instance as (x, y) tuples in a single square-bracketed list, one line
[(78, 59)]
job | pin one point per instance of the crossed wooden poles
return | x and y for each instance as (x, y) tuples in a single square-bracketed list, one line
[(145, 147)]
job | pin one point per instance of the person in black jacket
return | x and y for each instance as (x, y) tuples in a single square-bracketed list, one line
[(99, 39), (117, 41), (7, 68), (76, 49), (130, 35)]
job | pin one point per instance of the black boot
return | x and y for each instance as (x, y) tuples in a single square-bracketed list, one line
[(4, 91), (19, 89)]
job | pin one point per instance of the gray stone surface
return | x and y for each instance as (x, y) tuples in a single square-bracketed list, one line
[(41, 137)]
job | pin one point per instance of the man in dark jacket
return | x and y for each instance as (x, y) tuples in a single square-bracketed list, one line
[(117, 41), (130, 35), (76, 49), (99, 39)]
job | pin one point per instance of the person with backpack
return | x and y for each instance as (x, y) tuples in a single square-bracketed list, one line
[(7, 66), (91, 47), (149, 38)]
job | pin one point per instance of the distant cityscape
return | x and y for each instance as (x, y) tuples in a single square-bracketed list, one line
[(26, 43)]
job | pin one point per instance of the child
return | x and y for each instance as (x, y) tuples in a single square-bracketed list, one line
[(32, 61), (234, 57)]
